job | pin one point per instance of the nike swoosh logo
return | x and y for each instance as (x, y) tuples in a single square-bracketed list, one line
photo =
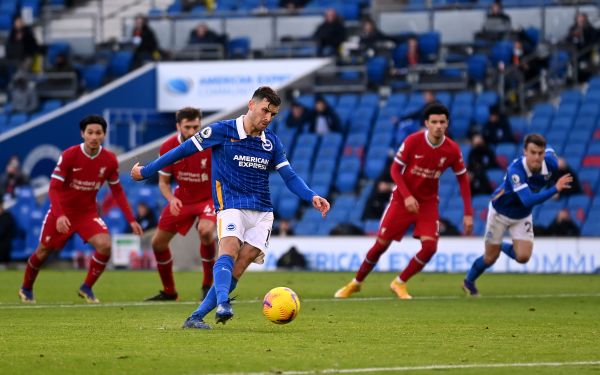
[(77, 169), (419, 156), (235, 140)]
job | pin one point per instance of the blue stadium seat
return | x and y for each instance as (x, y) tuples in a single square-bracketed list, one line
[(480, 202), (306, 228), (357, 140), (459, 128), (502, 52), (381, 140), (496, 176), (348, 100), (429, 45), (376, 161), (505, 153), (539, 124), (589, 177), (463, 98), (369, 99), (571, 96), (94, 75), (377, 68), (518, 126), (239, 48), (591, 228), (115, 221), (568, 109), (482, 113), (546, 215), (396, 100), (288, 205), (120, 63), (477, 68), (488, 98), (590, 110)]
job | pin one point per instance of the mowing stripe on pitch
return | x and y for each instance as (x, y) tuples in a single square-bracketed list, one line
[(65, 304), (421, 368)]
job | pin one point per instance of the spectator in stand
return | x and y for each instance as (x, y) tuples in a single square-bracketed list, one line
[(380, 197), (446, 228), (581, 34), (497, 129), (481, 155), (324, 118), (298, 118), (145, 42), (563, 169), (412, 53), (62, 64), (563, 225), (145, 216), (283, 229), (411, 122), (370, 37), (330, 34), (21, 45), (12, 178), (480, 183), (8, 231), (292, 4), (203, 35), (23, 95)]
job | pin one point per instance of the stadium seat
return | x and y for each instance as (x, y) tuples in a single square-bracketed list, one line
[(496, 176), (502, 52), (239, 48), (377, 68), (505, 153), (429, 45), (477, 68), (120, 63), (348, 100), (561, 122), (94, 76), (369, 99), (115, 221), (288, 205), (589, 177), (571, 96), (306, 228), (546, 215)]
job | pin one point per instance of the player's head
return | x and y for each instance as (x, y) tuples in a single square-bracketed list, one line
[(534, 151), (93, 131), (188, 121), (436, 118), (263, 106)]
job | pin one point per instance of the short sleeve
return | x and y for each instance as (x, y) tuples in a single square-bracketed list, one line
[(63, 165), (404, 151), (279, 155), (458, 166), (212, 135)]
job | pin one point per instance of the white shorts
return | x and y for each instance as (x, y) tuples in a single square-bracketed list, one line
[(497, 224), (252, 227)]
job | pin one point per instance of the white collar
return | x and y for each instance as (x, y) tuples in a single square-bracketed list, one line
[(179, 138), (431, 144), (529, 173), (239, 124), (82, 146)]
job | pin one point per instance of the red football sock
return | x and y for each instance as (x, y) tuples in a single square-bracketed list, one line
[(164, 265), (97, 266), (207, 254), (31, 271), (370, 261), (419, 261)]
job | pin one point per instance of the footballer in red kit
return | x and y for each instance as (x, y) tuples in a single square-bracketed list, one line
[(191, 201), (416, 170), (79, 173)]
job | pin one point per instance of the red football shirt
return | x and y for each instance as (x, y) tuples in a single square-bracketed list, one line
[(82, 176), (423, 164), (191, 173)]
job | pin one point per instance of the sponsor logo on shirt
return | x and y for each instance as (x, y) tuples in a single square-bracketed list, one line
[(246, 161)]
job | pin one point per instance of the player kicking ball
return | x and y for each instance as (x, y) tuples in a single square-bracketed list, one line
[(416, 170), (528, 182), (80, 172)]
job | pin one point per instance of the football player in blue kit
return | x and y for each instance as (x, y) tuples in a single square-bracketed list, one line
[(528, 182), (243, 152)]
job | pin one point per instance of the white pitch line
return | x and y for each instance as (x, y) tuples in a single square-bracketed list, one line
[(421, 368), (9, 306)]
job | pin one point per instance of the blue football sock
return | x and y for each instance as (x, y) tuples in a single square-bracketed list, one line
[(508, 249), (477, 269), (222, 273), (210, 302)]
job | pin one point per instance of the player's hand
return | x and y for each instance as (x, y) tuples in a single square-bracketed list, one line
[(468, 225), (321, 204), (63, 224), (136, 228), (564, 182), (411, 204), (136, 172), (175, 206)]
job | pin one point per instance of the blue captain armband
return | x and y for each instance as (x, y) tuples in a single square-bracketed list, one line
[(185, 149), (295, 183)]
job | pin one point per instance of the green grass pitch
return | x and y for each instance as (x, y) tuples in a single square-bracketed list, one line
[(525, 324)]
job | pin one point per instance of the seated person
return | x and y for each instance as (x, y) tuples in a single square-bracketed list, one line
[(203, 35), (324, 118), (563, 225), (330, 34), (298, 118)]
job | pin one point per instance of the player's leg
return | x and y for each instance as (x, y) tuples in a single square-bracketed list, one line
[(206, 231), (415, 265), (102, 245), (523, 250), (521, 232), (164, 265), (495, 228), (394, 224), (246, 256), (34, 263), (50, 240)]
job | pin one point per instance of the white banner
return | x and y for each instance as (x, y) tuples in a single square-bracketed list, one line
[(454, 255), (214, 86)]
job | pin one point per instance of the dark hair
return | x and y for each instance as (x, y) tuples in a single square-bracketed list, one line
[(535, 138), (93, 119), (265, 92), (188, 113), (435, 108)]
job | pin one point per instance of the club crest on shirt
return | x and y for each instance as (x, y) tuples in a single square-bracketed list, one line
[(102, 170), (516, 179), (230, 227), (203, 163), (267, 145), (442, 161)]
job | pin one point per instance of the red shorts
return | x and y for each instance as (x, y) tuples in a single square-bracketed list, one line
[(396, 220), (87, 225), (187, 216)]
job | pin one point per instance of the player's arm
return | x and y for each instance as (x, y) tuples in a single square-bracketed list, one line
[(396, 170), (164, 185), (297, 186), (530, 199), (464, 184), (187, 148), (57, 180)]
